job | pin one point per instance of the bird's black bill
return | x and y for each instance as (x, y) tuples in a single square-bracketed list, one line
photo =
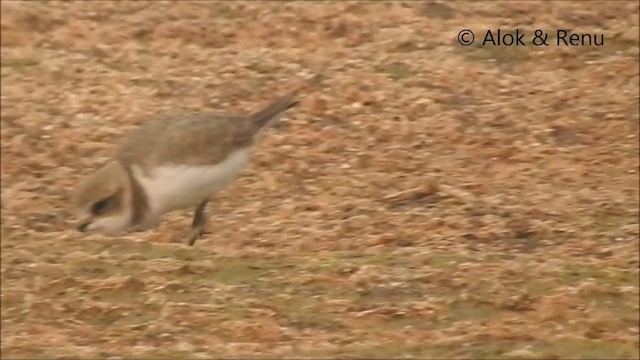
[(83, 227)]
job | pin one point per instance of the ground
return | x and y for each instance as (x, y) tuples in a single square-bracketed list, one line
[(425, 199)]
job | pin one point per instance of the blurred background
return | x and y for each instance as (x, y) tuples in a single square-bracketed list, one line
[(426, 200)]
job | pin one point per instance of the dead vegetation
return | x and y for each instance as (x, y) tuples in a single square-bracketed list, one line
[(428, 201)]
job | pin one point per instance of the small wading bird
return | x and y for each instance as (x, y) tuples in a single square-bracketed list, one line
[(170, 164)]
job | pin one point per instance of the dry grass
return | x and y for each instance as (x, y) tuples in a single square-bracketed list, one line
[(428, 201)]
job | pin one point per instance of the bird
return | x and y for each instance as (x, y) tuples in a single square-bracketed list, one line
[(167, 164)]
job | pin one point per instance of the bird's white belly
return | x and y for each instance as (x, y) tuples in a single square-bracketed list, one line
[(173, 187)]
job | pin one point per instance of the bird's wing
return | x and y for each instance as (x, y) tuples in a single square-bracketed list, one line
[(200, 139)]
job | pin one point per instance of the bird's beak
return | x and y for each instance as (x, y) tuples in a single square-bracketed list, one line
[(82, 225)]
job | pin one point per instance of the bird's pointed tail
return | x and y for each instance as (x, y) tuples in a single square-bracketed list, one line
[(272, 112)]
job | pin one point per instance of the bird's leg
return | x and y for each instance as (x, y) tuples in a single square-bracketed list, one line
[(198, 224)]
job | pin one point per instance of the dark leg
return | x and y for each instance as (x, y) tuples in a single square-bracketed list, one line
[(199, 221)]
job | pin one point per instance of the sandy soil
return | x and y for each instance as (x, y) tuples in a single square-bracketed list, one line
[(428, 200)]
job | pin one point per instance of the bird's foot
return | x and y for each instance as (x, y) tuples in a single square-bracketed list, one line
[(196, 233)]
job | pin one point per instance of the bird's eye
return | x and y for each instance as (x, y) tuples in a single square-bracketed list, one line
[(100, 207)]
